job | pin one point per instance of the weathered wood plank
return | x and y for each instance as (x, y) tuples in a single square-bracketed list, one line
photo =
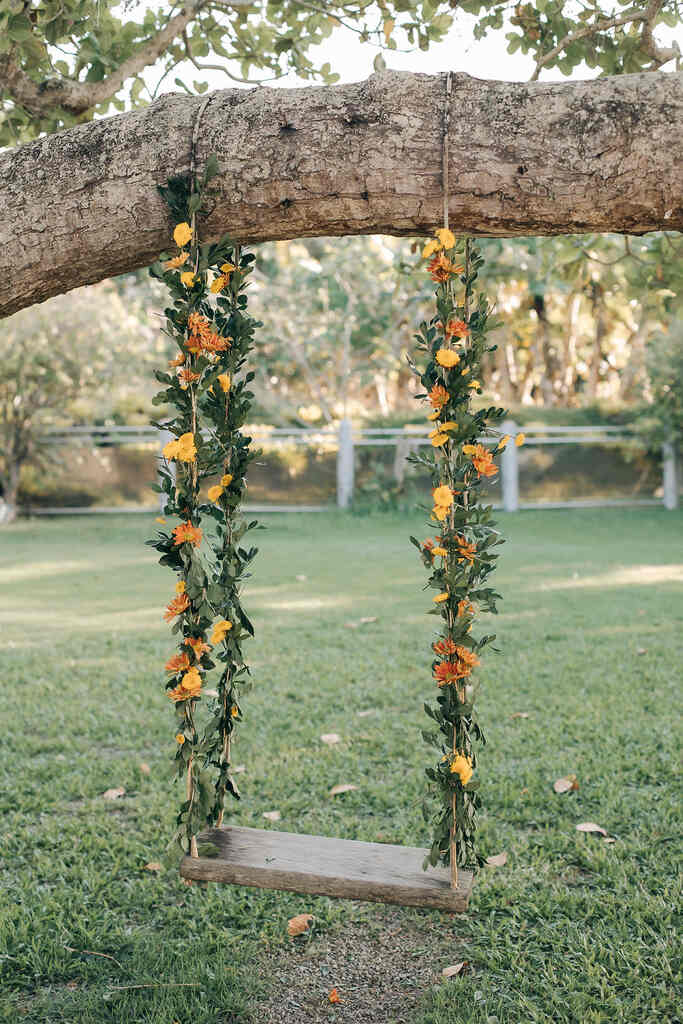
[(322, 866)]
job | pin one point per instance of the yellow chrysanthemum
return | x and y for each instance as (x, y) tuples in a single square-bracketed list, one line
[(449, 425), (519, 440), (215, 492), (439, 551), (182, 234), (430, 248), (187, 278), (439, 512), (503, 442), (447, 357), (180, 587), (224, 381), (219, 630), (434, 415), (160, 519), (179, 738), (234, 711), (446, 237), (226, 480), (474, 384), (462, 766), (438, 440), (443, 495), (440, 598)]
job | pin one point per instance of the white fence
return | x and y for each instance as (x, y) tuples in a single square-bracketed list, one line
[(346, 439)]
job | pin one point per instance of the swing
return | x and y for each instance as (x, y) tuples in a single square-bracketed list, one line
[(319, 865)]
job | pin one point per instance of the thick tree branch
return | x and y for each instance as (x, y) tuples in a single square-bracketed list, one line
[(582, 33), (660, 54), (525, 159)]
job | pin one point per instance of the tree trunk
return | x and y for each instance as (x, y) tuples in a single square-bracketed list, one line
[(525, 159)]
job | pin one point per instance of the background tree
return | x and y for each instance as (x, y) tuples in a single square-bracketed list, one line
[(83, 357), (69, 61)]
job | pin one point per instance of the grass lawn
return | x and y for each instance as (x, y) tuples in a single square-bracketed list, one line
[(571, 929)]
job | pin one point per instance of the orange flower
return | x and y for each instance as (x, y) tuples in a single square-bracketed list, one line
[(456, 329), (188, 377), (178, 663), (462, 766), (179, 738), (177, 261), (444, 647), (178, 361), (467, 552), (427, 546), (214, 343), (334, 996), (441, 552), (438, 396), (189, 686), (198, 645), (465, 607), (440, 598), (448, 672), (198, 324), (177, 606), (186, 533), (482, 459), (441, 268)]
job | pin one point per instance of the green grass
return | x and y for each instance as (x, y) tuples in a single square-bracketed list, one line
[(570, 930)]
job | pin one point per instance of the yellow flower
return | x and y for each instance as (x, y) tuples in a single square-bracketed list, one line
[(182, 234), (219, 630), (449, 425), (160, 519), (234, 711), (446, 237), (440, 598), (187, 278), (224, 381), (447, 357), (177, 261), (215, 492), (179, 738), (180, 587), (462, 766), (443, 495), (191, 681), (430, 248), (503, 441), (463, 373), (227, 268), (439, 551), (187, 451), (226, 480), (474, 384), (434, 415), (439, 512), (519, 440), (218, 284), (439, 439)]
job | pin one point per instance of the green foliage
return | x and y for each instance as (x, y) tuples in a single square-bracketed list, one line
[(662, 418), (210, 401)]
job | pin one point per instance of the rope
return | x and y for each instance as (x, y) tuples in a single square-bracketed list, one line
[(195, 136), (444, 157)]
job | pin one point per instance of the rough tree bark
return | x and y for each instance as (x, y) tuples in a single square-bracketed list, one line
[(526, 158)]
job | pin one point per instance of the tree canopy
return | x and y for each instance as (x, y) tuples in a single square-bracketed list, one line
[(66, 61)]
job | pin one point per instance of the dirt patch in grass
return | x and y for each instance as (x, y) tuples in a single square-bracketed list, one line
[(381, 965)]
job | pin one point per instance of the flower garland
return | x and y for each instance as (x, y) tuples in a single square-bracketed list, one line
[(461, 557), (214, 334)]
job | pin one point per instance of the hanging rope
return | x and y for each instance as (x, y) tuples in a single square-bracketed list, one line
[(444, 156)]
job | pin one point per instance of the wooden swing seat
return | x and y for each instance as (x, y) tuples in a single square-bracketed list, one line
[(321, 866)]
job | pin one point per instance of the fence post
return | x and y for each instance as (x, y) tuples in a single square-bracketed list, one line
[(166, 436), (670, 476), (509, 469), (345, 463)]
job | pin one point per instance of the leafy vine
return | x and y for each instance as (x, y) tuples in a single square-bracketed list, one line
[(207, 391), (462, 557)]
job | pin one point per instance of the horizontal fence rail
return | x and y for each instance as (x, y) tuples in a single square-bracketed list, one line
[(345, 438)]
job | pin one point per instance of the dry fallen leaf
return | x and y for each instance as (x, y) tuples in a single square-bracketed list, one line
[(153, 865), (590, 826), (368, 618), (497, 860), (145, 768), (520, 714), (72, 985), (334, 996), (330, 738), (238, 769), (301, 578), (272, 815), (641, 650), (299, 924), (565, 784), (343, 787), (364, 714), (351, 625), (450, 972), (113, 794)]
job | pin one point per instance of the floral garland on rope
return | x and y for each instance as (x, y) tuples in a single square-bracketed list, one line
[(214, 334), (461, 558)]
